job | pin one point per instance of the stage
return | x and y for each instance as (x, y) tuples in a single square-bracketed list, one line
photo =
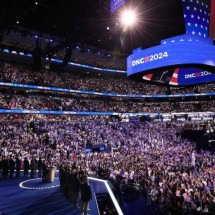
[(32, 196)]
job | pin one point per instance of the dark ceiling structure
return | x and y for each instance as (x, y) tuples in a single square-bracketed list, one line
[(85, 22), (76, 20)]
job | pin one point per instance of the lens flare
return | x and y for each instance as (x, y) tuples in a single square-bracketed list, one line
[(128, 18)]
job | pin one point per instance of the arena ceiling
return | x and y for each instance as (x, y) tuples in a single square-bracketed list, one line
[(85, 22)]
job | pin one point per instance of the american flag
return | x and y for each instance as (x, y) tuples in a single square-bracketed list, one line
[(196, 16)]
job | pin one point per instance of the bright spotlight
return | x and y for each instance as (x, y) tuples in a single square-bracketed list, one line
[(128, 17)]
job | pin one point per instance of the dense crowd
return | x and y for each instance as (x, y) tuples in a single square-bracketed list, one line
[(71, 104), (111, 63), (166, 168), (16, 73)]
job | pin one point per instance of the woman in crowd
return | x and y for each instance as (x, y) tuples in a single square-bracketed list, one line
[(86, 195)]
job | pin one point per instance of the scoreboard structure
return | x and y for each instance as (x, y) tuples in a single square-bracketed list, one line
[(182, 60)]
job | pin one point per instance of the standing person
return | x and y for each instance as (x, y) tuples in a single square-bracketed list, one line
[(193, 162), (40, 167), (0, 164), (81, 174), (33, 166), (11, 166), (75, 188), (26, 167), (61, 172), (86, 195), (5, 167), (45, 171), (18, 166)]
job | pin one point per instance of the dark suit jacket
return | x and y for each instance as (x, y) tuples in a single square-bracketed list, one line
[(86, 194)]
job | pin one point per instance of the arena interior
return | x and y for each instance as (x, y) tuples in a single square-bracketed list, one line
[(107, 107)]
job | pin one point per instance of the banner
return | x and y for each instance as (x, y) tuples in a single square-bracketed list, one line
[(153, 116)]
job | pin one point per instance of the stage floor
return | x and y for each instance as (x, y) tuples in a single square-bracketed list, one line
[(32, 197)]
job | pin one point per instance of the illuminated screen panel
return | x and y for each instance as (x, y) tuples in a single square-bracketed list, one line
[(180, 76), (196, 16), (183, 60), (189, 76), (115, 4), (173, 54)]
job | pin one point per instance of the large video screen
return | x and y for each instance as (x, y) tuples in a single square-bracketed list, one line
[(171, 55), (193, 56)]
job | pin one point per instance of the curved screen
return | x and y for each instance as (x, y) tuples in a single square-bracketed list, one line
[(191, 58), (174, 54)]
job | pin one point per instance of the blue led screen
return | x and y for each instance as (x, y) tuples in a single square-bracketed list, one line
[(185, 51), (170, 55), (115, 4), (196, 17)]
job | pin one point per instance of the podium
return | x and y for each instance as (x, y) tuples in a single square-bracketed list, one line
[(50, 175)]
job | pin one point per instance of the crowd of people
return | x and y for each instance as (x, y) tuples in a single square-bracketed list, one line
[(16, 73), (165, 167), (74, 181), (54, 103)]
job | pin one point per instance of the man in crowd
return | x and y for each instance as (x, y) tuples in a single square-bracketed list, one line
[(26, 167), (33, 166), (18, 166), (40, 167), (5, 167), (75, 187), (11, 166)]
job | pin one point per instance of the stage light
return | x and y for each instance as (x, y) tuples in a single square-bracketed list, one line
[(128, 17)]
